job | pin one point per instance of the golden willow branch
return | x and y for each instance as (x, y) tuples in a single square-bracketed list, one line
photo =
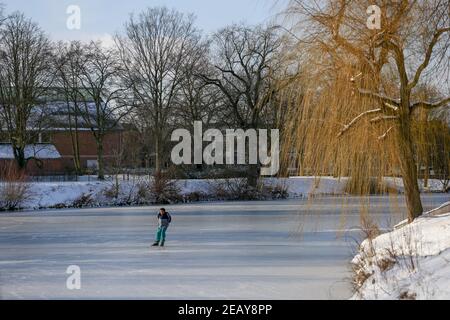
[(384, 136), (387, 100), (356, 120), (383, 118)]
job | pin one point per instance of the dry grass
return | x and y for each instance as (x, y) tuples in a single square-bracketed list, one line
[(403, 257), (14, 189)]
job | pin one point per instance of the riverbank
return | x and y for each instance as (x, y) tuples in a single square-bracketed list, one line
[(137, 191), (412, 262)]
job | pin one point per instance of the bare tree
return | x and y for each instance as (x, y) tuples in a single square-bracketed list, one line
[(247, 64), (102, 108), (25, 75), (196, 99), (369, 78), (153, 50), (68, 71)]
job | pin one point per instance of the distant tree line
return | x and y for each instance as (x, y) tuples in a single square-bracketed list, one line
[(161, 73)]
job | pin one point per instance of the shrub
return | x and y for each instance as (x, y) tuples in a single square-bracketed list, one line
[(14, 189), (239, 189), (195, 196), (276, 192), (143, 194), (111, 192), (164, 190), (85, 200), (232, 189)]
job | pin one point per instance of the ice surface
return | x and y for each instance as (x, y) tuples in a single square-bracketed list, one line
[(243, 250)]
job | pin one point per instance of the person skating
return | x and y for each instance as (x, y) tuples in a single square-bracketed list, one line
[(164, 220)]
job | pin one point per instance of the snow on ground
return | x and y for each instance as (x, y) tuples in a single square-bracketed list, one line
[(64, 194), (411, 262), (434, 185), (40, 151), (223, 250)]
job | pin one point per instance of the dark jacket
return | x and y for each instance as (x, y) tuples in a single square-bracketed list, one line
[(164, 220)]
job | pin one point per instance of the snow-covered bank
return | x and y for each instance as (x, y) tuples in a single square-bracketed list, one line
[(98, 193), (43, 195), (411, 262)]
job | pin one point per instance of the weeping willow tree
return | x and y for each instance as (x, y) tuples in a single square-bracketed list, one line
[(354, 107)]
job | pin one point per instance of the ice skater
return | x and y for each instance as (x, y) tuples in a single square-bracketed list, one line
[(164, 220)]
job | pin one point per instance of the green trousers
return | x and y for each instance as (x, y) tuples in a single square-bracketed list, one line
[(161, 233)]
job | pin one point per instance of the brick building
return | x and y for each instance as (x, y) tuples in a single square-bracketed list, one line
[(53, 145)]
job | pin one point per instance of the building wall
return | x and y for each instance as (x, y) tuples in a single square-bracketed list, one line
[(88, 147), (49, 166), (63, 143)]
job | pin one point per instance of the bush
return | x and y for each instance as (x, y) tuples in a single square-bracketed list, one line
[(85, 200), (14, 189), (111, 192), (231, 189), (208, 172), (195, 196), (143, 194), (164, 190), (277, 192), (239, 189)]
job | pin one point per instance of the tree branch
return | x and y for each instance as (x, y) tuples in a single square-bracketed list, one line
[(355, 120), (383, 118), (382, 137), (374, 95), (429, 105), (428, 54)]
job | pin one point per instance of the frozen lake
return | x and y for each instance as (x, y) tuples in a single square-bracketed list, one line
[(241, 250)]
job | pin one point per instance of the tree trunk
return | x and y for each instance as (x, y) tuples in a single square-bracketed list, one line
[(19, 154), (76, 152), (73, 131), (408, 169), (426, 177), (253, 175), (100, 159), (157, 154)]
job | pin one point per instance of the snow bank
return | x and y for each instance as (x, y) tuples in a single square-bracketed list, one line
[(434, 185), (51, 194), (65, 194), (412, 262), (43, 195)]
